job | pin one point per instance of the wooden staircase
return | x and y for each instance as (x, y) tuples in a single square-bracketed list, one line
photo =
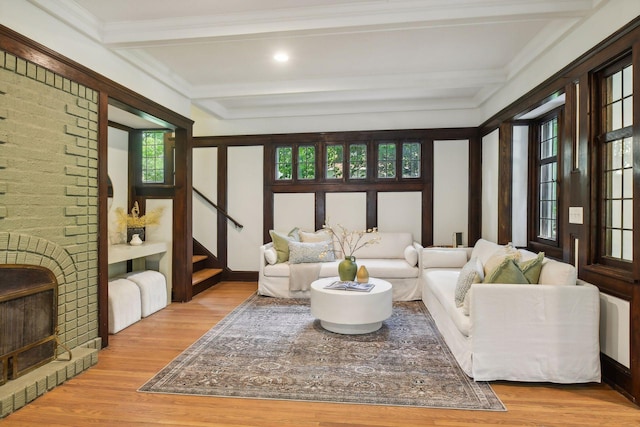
[(205, 274)]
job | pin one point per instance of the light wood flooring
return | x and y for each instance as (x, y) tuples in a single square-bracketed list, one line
[(106, 395)]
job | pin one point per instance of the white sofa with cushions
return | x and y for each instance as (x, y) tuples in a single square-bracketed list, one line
[(545, 328), (311, 255)]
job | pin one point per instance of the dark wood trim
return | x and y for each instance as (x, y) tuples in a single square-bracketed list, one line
[(427, 193), (475, 189), (223, 200), (505, 183), (103, 223)]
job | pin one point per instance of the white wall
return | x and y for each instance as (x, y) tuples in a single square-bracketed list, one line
[(28, 20), (205, 179), (347, 209), (118, 170), (450, 191), (291, 210), (520, 170), (245, 204), (401, 211), (490, 186)]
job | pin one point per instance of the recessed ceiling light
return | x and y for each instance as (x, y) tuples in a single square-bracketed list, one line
[(281, 57)]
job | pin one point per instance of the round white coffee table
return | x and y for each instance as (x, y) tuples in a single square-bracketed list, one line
[(351, 312)]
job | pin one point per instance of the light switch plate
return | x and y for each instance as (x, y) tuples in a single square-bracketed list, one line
[(575, 215)]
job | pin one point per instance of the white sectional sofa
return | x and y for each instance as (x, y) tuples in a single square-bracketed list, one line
[(545, 332), (395, 258)]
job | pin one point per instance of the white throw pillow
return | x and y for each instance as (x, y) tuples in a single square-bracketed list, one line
[(468, 276), (411, 255), (483, 249), (434, 258), (270, 255), (557, 273), (318, 236)]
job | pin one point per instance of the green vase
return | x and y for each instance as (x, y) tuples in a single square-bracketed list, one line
[(347, 269)]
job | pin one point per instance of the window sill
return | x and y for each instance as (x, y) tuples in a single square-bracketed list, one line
[(611, 272)]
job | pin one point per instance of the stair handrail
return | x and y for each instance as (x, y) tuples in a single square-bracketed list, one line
[(219, 209)]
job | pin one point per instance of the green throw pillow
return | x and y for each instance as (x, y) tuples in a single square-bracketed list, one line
[(507, 272), (532, 268), (281, 243)]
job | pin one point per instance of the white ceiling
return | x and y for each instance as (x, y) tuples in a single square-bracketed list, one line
[(346, 56)]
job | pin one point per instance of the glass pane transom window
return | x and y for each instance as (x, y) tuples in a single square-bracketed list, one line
[(548, 186), (411, 160), (618, 100), (387, 160), (357, 161), (335, 161), (618, 199), (153, 157), (284, 163), (306, 162)]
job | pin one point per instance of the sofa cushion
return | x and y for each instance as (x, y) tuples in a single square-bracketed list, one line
[(390, 245), (411, 255), (442, 283), (300, 252), (483, 249), (314, 237), (468, 276), (443, 258), (557, 273)]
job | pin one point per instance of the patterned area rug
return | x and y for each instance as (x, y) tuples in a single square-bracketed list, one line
[(270, 348)]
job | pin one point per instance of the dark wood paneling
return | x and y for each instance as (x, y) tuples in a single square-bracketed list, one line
[(475, 189)]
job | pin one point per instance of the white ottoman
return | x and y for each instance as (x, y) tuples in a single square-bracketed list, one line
[(153, 290), (124, 304)]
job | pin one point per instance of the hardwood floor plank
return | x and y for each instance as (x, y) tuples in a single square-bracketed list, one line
[(106, 395)]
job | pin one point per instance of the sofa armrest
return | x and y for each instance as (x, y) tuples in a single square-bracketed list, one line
[(419, 248), (538, 332), (263, 260)]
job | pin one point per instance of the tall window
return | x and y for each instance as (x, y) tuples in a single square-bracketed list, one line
[(547, 160), (156, 157), (616, 204)]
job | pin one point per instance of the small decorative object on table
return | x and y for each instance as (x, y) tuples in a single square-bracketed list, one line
[(363, 274), (350, 242), (136, 224)]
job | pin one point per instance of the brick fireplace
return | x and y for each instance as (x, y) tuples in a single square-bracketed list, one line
[(48, 208)]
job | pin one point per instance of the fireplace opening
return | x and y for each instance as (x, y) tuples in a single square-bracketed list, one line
[(28, 319)]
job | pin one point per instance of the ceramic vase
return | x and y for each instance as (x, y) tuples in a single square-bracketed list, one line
[(135, 230), (347, 269), (363, 275), (135, 240)]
